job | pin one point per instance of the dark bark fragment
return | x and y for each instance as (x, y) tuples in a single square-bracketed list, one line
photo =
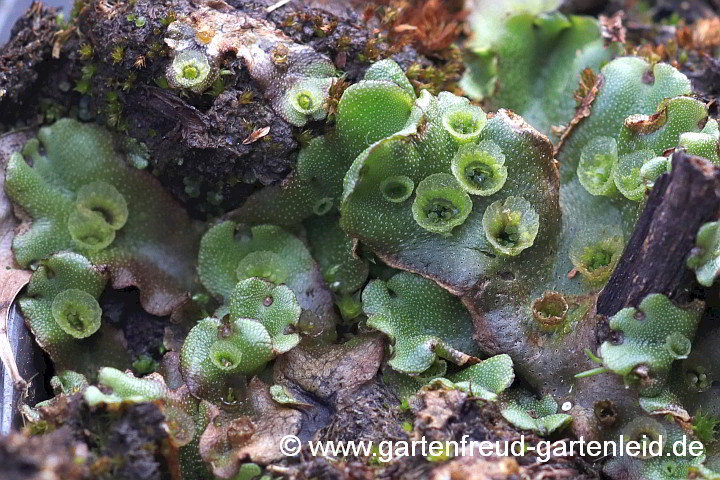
[(705, 76), (654, 260), (30, 45), (142, 331), (371, 413), (48, 457), (133, 434), (126, 441)]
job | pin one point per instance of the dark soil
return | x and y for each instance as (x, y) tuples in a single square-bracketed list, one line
[(196, 142)]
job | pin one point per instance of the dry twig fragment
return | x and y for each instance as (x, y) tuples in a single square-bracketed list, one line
[(256, 135)]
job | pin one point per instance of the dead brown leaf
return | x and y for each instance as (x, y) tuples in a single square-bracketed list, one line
[(590, 84), (405, 28), (55, 456), (11, 282), (432, 25), (219, 438), (331, 371), (434, 409), (706, 33), (256, 135), (478, 468), (139, 62), (327, 373), (274, 421), (61, 37), (230, 440), (612, 28)]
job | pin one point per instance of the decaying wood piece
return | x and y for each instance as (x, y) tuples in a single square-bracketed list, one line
[(30, 45)]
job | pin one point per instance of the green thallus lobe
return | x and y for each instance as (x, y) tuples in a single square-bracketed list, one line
[(704, 258), (263, 264), (651, 170), (258, 327), (628, 178)]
